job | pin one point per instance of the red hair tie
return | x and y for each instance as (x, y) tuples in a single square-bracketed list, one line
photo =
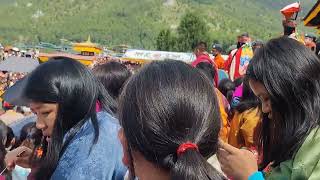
[(185, 146)]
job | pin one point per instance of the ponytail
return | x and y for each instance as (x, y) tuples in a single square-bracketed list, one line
[(192, 165), (188, 163), (227, 88)]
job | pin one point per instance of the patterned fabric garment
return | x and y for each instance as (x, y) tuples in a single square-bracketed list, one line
[(103, 162)]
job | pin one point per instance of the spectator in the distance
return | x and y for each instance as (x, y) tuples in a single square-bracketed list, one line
[(218, 59)]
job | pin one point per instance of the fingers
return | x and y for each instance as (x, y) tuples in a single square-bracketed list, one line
[(23, 162), (23, 151), (18, 151), (10, 160), (222, 154), (225, 169), (227, 147), (18, 156), (10, 165)]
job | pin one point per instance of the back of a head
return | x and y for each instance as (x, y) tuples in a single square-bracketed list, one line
[(208, 69), (172, 103), (25, 130), (30, 136), (218, 47), (227, 87), (112, 75), (290, 73), (202, 46), (248, 100)]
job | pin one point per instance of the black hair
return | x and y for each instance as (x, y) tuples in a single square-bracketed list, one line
[(318, 49), (208, 69), (172, 103), (10, 138), (3, 153), (257, 45), (200, 43), (3, 133), (290, 73), (248, 100), (73, 87), (227, 88), (3, 140), (20, 110), (237, 82), (112, 75), (30, 136), (287, 30), (7, 134)]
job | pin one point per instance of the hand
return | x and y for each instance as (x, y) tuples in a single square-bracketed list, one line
[(236, 163), (19, 156)]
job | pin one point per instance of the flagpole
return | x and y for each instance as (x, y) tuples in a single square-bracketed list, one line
[(297, 12)]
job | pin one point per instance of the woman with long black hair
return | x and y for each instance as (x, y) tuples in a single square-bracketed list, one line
[(170, 119), (285, 76), (82, 144)]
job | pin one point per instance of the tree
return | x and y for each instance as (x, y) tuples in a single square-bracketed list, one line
[(191, 30), (164, 40)]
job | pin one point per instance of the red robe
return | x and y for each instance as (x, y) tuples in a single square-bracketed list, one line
[(236, 58)]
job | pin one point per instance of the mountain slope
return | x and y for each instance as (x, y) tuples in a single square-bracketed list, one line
[(137, 22)]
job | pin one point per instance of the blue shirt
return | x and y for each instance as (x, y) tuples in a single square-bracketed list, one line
[(104, 162)]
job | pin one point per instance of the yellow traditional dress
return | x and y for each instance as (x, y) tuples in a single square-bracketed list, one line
[(224, 117), (242, 128)]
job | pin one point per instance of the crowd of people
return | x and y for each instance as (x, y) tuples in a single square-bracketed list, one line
[(6, 52), (253, 116)]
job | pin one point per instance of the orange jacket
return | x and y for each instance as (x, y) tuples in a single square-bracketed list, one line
[(219, 61)]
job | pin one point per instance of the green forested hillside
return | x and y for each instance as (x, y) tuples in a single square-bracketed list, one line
[(134, 22)]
